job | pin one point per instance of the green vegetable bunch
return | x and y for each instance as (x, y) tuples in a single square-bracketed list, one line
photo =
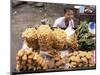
[(84, 37)]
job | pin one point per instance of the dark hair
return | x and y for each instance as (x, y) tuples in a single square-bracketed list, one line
[(66, 9)]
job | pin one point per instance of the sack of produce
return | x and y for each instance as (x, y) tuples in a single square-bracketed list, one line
[(45, 37), (30, 37), (60, 40)]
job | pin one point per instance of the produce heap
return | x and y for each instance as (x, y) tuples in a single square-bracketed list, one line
[(53, 41), (80, 59), (84, 37), (44, 39), (29, 60)]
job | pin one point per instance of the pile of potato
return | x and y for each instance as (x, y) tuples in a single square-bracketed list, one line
[(45, 37), (56, 62), (30, 36), (29, 60), (80, 59), (60, 40)]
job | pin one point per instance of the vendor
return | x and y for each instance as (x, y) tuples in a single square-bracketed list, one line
[(66, 21)]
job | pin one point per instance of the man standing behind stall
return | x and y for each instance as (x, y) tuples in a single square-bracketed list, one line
[(66, 21)]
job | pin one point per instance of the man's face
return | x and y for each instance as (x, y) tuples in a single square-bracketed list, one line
[(69, 14)]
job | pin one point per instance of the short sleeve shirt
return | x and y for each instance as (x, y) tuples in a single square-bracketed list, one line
[(60, 22)]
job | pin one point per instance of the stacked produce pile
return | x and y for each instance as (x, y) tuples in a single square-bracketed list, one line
[(80, 59), (29, 60), (60, 40), (51, 42), (30, 36), (56, 62), (84, 37), (45, 37)]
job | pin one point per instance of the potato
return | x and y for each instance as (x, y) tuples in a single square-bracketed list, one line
[(75, 53), (23, 62), (43, 63), (45, 67), (34, 68), (72, 58), (40, 62), (73, 64), (18, 67), (84, 59), (38, 68), (91, 62), (30, 67), (20, 52), (35, 56), (24, 57), (90, 53), (30, 61), (30, 56), (80, 64), (18, 58), (18, 62), (51, 64), (77, 59), (38, 59), (88, 56)]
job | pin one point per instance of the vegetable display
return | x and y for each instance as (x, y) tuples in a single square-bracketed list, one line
[(84, 37), (80, 59)]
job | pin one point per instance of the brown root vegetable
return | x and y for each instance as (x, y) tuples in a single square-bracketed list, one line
[(29, 61), (73, 64), (18, 62), (88, 56), (77, 58), (81, 59), (45, 67), (18, 67), (91, 63), (30, 56), (20, 52), (18, 58), (30, 67), (84, 59), (51, 64), (23, 62), (24, 57)]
